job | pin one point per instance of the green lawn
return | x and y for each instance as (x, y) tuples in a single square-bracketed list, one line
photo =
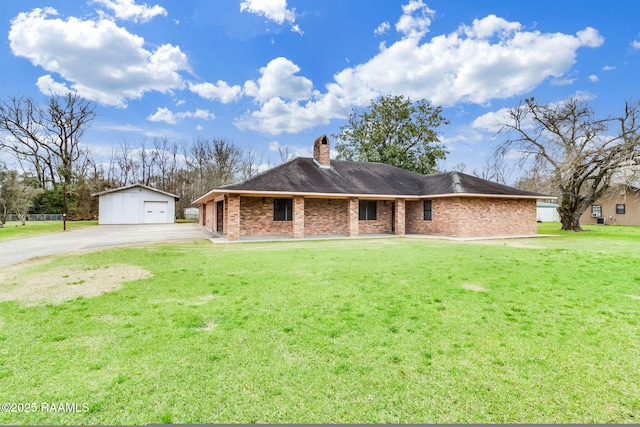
[(15, 230), (399, 330)]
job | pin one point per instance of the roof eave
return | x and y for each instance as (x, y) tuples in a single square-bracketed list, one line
[(219, 191), (126, 187), (490, 196)]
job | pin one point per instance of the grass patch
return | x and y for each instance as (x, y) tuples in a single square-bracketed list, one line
[(350, 331), (15, 230)]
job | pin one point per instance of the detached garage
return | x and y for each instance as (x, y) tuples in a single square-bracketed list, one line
[(547, 212), (136, 204)]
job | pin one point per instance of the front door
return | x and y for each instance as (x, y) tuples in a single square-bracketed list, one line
[(220, 216), (393, 217)]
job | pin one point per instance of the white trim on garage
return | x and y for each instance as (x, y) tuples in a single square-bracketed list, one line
[(136, 204)]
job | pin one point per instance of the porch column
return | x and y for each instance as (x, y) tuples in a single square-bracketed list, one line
[(232, 217), (298, 217), (202, 211), (353, 218), (399, 217)]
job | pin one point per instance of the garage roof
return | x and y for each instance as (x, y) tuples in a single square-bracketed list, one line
[(126, 187)]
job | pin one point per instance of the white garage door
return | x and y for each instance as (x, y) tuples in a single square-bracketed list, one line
[(155, 212)]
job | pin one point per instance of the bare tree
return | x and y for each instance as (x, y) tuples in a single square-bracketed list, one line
[(127, 165), (21, 120), (285, 153), (581, 153), (47, 136), (459, 167), (165, 164), (494, 169), (216, 162), (147, 160)]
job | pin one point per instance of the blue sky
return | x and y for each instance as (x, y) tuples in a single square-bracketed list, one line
[(278, 73)]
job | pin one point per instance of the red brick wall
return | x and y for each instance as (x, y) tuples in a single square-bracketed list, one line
[(202, 210), (320, 217), (400, 217), (353, 218), (382, 223), (233, 217), (256, 218), (470, 216), (415, 223), (298, 208), (455, 216)]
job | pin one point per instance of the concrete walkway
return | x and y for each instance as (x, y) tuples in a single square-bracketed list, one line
[(94, 237), (218, 238)]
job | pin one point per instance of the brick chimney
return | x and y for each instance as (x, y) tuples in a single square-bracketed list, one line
[(322, 151)]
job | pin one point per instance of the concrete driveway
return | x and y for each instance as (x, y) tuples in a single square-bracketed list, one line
[(95, 237)]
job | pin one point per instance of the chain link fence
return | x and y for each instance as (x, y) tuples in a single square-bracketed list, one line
[(37, 217)]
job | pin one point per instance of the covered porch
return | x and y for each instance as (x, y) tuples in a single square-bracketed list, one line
[(241, 216)]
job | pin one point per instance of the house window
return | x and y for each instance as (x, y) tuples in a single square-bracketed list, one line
[(282, 209), (367, 210), (427, 210), (620, 209), (596, 211)]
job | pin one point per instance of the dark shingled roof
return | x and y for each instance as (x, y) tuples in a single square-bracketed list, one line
[(345, 177)]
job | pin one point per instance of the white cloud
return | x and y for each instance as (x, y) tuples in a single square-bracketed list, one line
[(415, 20), (491, 121), (635, 44), (72, 48), (278, 116), (489, 26), (593, 78), (279, 80), (163, 115), (456, 68), (608, 68), (128, 10), (273, 10), (564, 81), (490, 59), (200, 114), (46, 84), (583, 95), (221, 90), (382, 29), (167, 116)]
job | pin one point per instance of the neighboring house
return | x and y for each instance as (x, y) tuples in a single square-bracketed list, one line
[(136, 204), (547, 212), (320, 196), (620, 208)]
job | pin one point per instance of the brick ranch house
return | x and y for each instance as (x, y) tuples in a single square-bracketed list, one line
[(320, 196)]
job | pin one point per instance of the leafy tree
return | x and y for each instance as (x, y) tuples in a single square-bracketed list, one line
[(15, 196), (582, 154), (396, 131), (50, 201)]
